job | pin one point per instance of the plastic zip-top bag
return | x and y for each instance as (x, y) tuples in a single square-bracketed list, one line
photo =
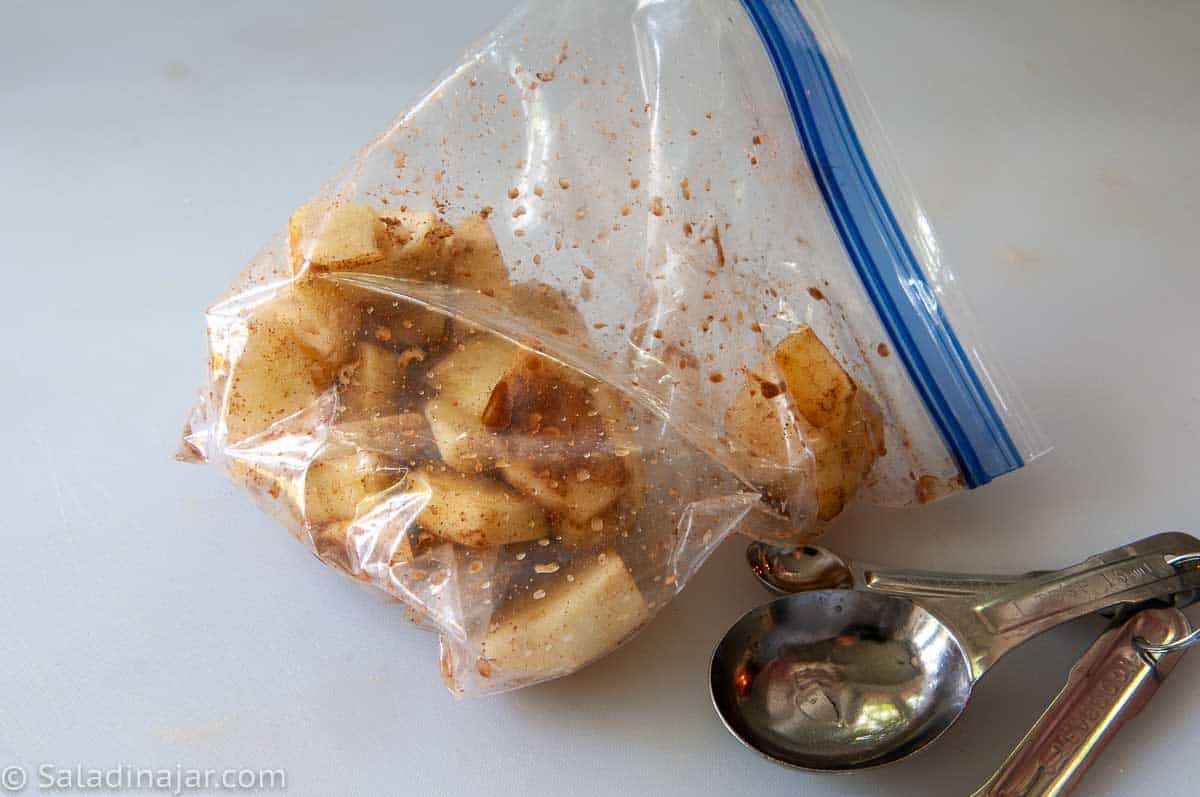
[(631, 277)]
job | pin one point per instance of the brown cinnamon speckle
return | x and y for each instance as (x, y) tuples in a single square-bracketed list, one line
[(769, 389), (926, 489)]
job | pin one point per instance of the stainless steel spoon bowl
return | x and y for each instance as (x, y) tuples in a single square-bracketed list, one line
[(835, 680), (839, 680)]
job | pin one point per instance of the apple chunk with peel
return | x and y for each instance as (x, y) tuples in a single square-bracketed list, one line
[(819, 387), (467, 376), (845, 454), (798, 406), (557, 431), (768, 434), (573, 622), (464, 381), (476, 511)]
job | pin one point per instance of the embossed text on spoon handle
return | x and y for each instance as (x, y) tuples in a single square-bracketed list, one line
[(1107, 687)]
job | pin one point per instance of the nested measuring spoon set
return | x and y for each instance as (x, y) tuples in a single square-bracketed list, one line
[(857, 665)]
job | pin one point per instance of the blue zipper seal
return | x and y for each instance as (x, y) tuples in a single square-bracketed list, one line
[(922, 337)]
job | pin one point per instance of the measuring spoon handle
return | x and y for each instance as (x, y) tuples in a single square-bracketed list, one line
[(991, 624), (1107, 687), (928, 583)]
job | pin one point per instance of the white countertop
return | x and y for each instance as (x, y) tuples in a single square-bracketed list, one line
[(151, 616)]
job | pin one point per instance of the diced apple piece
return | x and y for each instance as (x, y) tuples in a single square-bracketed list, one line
[(818, 385), (399, 438), (771, 446), (476, 511), (331, 487), (371, 386), (460, 438), (549, 308), (274, 481), (557, 431), (578, 492), (464, 382), (351, 237), (339, 480), (475, 260), (844, 455), (828, 419), (468, 375), (418, 244), (336, 236), (619, 436), (575, 622), (596, 531), (323, 325), (275, 375)]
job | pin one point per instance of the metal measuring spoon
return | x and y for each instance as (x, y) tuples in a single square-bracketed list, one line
[(787, 570), (837, 680)]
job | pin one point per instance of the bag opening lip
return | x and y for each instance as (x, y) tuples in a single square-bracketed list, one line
[(953, 394)]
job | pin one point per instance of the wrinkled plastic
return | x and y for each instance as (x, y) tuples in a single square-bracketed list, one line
[(519, 367)]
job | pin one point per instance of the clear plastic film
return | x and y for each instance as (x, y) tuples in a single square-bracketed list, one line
[(602, 297)]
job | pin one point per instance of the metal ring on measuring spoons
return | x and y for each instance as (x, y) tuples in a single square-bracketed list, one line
[(1149, 650)]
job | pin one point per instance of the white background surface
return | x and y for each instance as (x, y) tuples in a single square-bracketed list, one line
[(149, 615)]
